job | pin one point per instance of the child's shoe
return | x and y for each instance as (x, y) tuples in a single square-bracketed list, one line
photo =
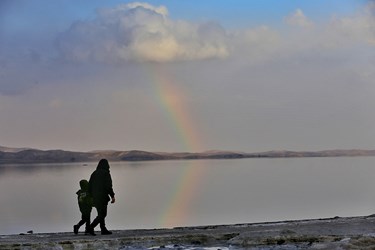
[(90, 231)]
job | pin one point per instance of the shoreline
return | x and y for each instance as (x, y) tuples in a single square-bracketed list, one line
[(328, 233), (31, 156)]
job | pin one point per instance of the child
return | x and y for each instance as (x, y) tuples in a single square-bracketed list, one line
[(85, 204)]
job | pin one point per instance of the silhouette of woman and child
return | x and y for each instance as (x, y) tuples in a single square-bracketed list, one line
[(96, 192)]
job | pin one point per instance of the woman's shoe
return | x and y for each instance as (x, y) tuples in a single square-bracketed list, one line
[(75, 229), (106, 232)]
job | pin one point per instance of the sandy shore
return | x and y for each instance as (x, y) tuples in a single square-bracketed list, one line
[(331, 233)]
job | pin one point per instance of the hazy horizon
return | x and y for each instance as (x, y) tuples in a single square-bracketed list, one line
[(175, 76), (17, 149)]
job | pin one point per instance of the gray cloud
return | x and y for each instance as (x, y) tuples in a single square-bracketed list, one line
[(141, 32), (358, 28)]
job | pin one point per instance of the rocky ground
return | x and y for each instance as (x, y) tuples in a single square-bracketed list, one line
[(332, 233)]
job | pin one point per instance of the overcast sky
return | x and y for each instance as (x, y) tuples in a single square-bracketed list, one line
[(187, 75)]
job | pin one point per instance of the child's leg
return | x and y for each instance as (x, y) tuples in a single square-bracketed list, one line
[(80, 223), (86, 218)]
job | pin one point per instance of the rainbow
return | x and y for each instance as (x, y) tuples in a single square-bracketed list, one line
[(178, 208), (173, 102)]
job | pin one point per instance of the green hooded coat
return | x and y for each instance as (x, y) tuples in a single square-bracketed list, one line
[(85, 201)]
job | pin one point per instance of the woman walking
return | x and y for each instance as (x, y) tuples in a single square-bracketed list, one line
[(100, 188)]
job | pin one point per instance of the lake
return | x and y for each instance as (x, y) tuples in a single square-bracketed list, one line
[(154, 194)]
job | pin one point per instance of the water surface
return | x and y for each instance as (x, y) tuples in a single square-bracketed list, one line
[(41, 197)]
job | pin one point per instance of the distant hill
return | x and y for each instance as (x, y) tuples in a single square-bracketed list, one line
[(40, 156), (324, 153), (25, 155), (6, 149)]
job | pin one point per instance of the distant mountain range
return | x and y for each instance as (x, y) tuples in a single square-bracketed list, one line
[(12, 150), (27, 155)]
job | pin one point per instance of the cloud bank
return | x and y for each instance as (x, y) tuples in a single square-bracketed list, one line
[(141, 32)]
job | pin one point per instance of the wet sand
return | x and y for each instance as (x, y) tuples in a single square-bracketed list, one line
[(330, 233)]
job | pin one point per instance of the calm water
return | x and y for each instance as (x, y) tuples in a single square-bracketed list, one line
[(197, 192)]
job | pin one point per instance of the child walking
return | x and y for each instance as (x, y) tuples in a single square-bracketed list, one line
[(85, 204)]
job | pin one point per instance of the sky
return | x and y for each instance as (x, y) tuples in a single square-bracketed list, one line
[(187, 75)]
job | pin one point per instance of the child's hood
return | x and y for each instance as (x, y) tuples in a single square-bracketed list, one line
[(84, 185)]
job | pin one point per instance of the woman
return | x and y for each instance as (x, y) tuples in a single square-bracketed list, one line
[(100, 188)]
